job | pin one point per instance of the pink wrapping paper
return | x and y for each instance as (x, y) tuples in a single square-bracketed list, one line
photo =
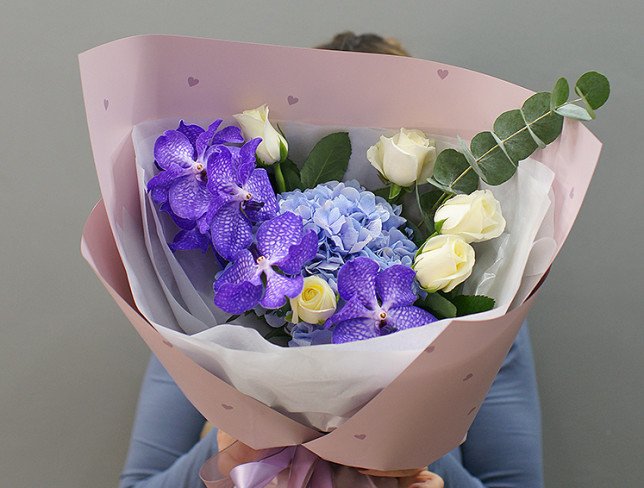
[(151, 77)]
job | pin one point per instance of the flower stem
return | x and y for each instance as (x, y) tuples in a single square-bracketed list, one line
[(279, 177)]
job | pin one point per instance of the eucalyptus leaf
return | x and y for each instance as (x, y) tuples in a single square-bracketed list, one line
[(560, 93), (573, 111), (495, 166), (452, 173), (327, 161), (511, 128), (594, 88), (381, 192), (440, 306), (469, 304), (544, 123)]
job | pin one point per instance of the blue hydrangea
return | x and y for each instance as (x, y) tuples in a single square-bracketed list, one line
[(349, 222)]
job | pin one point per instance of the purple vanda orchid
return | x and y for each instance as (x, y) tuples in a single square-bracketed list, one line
[(376, 302), (274, 274), (241, 195), (180, 188)]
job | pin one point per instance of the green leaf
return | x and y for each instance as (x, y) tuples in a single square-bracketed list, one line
[(545, 124), (452, 173), (573, 111), (519, 144), (381, 192), (291, 175), (469, 304), (440, 306), (394, 191), (232, 318), (438, 226), (593, 88), (560, 93), (328, 160), (429, 199), (494, 165)]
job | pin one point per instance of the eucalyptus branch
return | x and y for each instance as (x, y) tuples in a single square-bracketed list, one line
[(494, 155)]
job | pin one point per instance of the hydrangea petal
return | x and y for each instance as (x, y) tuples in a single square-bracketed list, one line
[(187, 240), (394, 286), (189, 197), (259, 186), (358, 278), (230, 230), (355, 330), (205, 138), (279, 287), (243, 268), (191, 131), (237, 298), (402, 318), (276, 236), (299, 254), (173, 147)]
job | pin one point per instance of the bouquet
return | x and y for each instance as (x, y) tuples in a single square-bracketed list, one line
[(302, 273)]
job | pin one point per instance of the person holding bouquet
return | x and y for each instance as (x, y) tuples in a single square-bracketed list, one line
[(503, 447)]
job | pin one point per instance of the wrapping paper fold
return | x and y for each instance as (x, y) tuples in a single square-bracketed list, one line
[(153, 77)]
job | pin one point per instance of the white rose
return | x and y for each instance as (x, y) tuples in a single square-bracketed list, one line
[(443, 262), (476, 217), (254, 123), (315, 304), (404, 158)]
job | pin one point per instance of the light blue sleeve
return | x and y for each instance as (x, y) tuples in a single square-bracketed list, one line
[(165, 449), (503, 446)]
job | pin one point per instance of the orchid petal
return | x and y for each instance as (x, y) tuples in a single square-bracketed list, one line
[(394, 286), (228, 135), (259, 186), (237, 298), (355, 330), (189, 198), (276, 236), (279, 287), (186, 240), (185, 224), (299, 254), (230, 230), (402, 318), (221, 170), (243, 268), (352, 309), (161, 182), (358, 278), (173, 148), (205, 138), (191, 131)]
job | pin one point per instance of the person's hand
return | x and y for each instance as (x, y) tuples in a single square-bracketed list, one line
[(237, 453), (234, 453), (410, 478)]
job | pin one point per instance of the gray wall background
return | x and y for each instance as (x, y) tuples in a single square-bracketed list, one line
[(70, 363)]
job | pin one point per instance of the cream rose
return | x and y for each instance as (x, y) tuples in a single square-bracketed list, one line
[(404, 158), (443, 262), (315, 304), (254, 123), (475, 218)]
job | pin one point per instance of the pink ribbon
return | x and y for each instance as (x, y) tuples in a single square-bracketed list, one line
[(305, 470)]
